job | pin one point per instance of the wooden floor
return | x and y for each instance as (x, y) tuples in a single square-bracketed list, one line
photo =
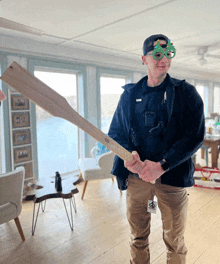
[(101, 232)]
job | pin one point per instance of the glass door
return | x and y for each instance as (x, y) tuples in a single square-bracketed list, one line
[(57, 139), (110, 92)]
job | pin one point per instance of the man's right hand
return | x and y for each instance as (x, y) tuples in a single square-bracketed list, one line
[(136, 165)]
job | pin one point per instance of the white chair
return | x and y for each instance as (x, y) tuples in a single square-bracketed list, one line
[(92, 169), (11, 192)]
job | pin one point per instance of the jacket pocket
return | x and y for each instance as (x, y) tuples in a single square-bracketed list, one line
[(146, 119), (150, 118)]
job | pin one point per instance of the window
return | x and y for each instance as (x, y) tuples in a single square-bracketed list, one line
[(204, 95), (110, 92), (57, 139), (216, 107), (201, 90)]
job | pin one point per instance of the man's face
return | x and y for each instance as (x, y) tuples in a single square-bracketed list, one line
[(156, 68)]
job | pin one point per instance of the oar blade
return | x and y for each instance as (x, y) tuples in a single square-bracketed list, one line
[(25, 83)]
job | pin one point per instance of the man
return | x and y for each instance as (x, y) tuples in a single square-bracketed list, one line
[(160, 120)]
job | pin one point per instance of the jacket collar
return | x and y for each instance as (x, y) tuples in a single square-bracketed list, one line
[(170, 90), (174, 82)]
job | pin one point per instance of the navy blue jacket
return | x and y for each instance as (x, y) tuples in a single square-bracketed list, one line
[(183, 135)]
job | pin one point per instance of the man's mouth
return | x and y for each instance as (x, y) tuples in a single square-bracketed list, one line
[(162, 66)]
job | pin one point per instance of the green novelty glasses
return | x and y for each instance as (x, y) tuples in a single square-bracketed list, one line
[(159, 52)]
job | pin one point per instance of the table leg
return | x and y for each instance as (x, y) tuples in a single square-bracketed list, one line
[(34, 222), (43, 206), (74, 204), (71, 213), (214, 155), (202, 153)]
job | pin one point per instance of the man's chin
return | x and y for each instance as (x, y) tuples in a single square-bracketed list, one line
[(163, 70)]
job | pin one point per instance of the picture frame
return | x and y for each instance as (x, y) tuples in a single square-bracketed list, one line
[(19, 102), (21, 137), (22, 154), (20, 119), (28, 169)]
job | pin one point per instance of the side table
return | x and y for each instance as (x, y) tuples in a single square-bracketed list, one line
[(46, 190)]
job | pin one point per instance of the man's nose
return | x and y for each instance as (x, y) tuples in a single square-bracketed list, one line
[(164, 59)]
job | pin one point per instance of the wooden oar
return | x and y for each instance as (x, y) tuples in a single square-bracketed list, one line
[(27, 84)]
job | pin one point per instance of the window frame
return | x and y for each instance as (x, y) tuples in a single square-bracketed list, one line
[(61, 67), (101, 72)]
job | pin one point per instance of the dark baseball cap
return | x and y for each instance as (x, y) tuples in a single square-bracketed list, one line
[(149, 42)]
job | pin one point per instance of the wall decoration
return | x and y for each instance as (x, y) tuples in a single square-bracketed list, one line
[(21, 137), (19, 102), (22, 154), (20, 119)]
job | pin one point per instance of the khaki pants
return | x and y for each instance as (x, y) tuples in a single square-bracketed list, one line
[(172, 202)]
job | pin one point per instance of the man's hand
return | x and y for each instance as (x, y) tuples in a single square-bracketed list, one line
[(2, 96), (151, 171), (148, 170), (136, 165)]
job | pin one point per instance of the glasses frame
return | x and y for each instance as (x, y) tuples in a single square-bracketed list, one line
[(164, 52)]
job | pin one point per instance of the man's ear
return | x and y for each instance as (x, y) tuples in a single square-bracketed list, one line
[(144, 62)]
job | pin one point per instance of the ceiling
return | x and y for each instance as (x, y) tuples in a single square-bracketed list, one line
[(116, 29)]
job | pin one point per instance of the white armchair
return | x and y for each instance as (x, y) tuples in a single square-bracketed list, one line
[(11, 192), (92, 169)]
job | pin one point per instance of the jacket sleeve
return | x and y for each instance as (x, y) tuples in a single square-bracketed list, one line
[(119, 131), (193, 129), (119, 128)]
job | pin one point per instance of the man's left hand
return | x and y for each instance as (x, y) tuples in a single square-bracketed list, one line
[(151, 171)]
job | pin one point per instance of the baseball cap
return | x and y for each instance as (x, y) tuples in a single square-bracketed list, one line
[(149, 42)]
